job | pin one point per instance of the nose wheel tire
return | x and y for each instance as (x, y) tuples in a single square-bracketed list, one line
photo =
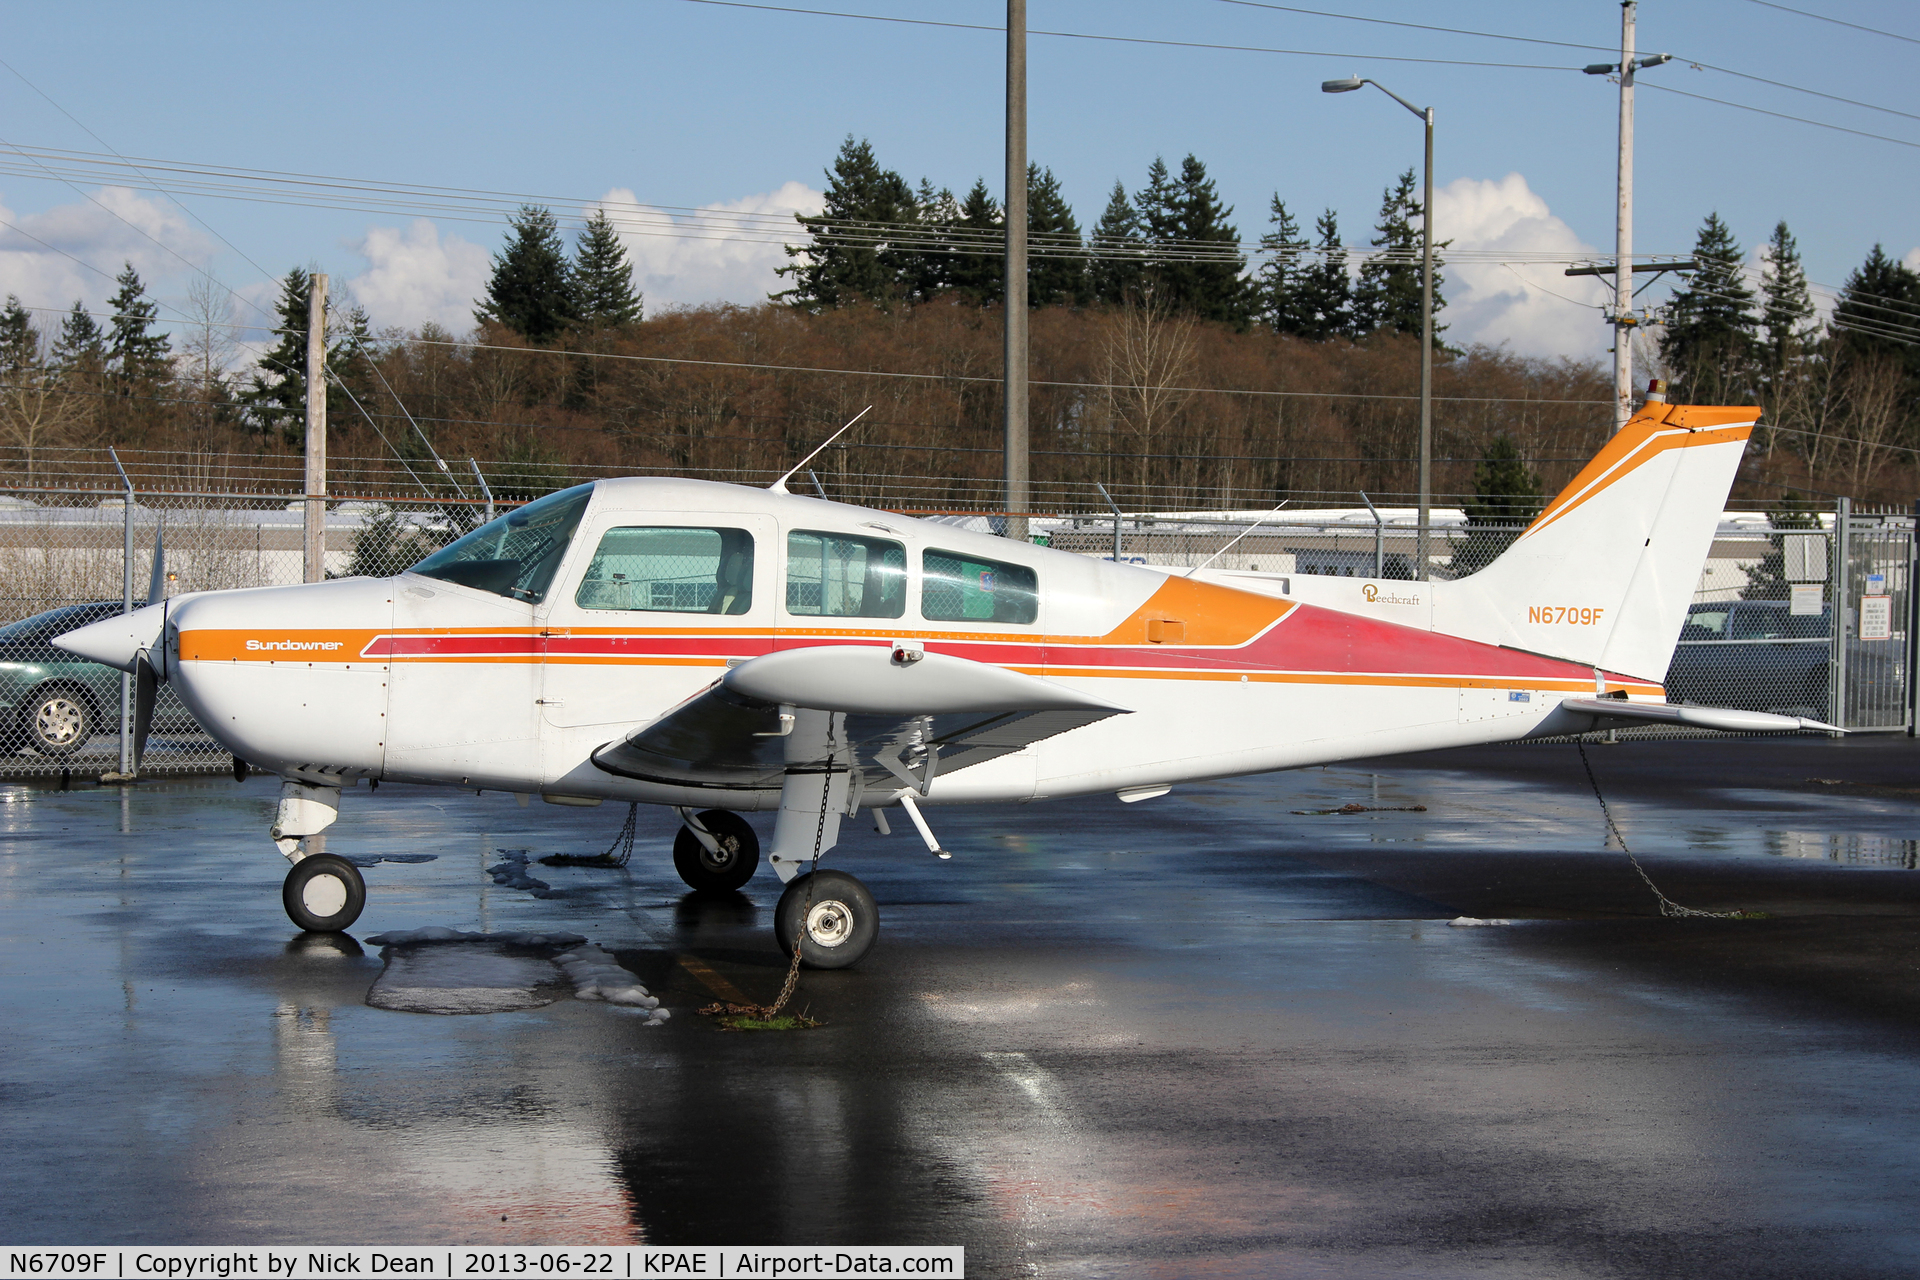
[(724, 871), (833, 930), (324, 894)]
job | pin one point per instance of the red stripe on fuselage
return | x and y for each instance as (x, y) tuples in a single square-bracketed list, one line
[(1307, 639)]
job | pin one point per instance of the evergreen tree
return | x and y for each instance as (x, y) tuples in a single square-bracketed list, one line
[(1506, 497), (604, 296), (1057, 261), (927, 269), (531, 291), (1387, 296), (854, 251), (136, 356), (1282, 276), (82, 345), (1118, 251), (19, 340), (1788, 338), (1878, 309), (977, 267), (1709, 345), (1324, 299), (1201, 271), (1156, 205), (274, 400), (1785, 306)]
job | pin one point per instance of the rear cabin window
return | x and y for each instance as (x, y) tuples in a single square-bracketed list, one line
[(838, 575), (963, 588), (670, 569)]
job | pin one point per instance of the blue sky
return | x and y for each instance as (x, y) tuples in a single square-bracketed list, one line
[(689, 104)]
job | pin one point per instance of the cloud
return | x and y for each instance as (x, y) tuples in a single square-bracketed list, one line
[(419, 274), (42, 254), (1912, 260), (1526, 304), (723, 252)]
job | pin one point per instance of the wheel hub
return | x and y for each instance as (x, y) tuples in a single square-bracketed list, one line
[(829, 923), (324, 895), (721, 859), (58, 721)]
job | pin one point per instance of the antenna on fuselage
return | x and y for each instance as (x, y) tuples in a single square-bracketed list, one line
[(1243, 533), (780, 485)]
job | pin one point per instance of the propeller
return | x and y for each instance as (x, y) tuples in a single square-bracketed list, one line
[(147, 679)]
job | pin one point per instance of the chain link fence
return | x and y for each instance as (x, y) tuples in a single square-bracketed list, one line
[(1761, 633)]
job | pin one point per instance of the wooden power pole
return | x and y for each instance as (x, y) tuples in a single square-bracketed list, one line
[(316, 516), (1018, 496)]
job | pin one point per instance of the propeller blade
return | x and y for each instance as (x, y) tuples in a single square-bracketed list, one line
[(146, 690), (157, 584)]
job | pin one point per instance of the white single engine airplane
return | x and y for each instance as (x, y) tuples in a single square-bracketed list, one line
[(721, 649)]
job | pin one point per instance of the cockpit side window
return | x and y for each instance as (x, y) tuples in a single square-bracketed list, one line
[(517, 555), (670, 569)]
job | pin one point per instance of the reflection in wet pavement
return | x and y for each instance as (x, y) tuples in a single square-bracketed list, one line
[(1193, 1036)]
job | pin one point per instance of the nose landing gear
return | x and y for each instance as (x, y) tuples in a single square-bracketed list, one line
[(323, 893)]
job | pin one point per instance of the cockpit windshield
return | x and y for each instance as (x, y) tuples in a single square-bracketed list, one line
[(518, 554)]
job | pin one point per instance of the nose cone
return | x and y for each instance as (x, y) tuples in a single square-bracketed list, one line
[(117, 641)]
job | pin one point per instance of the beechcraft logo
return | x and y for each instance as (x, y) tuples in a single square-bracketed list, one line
[(292, 646)]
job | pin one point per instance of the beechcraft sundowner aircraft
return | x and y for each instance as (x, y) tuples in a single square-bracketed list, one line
[(720, 649)]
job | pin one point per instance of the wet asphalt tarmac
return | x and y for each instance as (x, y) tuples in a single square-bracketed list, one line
[(1200, 1035)]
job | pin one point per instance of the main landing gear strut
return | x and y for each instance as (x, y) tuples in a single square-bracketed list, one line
[(829, 915)]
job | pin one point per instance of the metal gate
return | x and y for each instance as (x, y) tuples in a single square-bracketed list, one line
[(1872, 645)]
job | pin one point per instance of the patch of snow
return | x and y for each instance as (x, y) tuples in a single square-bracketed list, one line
[(1474, 922), (596, 975)]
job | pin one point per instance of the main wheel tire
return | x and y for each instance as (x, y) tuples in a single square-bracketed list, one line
[(830, 916), (56, 722), (728, 869), (324, 894)]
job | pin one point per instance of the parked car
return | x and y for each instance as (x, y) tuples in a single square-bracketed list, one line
[(1757, 656), (51, 700)]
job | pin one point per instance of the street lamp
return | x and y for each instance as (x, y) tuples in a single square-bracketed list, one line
[(1426, 314)]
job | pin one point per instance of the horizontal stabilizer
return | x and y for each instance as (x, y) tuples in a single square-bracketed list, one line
[(1721, 719)]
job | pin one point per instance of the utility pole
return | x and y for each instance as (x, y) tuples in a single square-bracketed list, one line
[(316, 518), (1623, 232), (1421, 562), (1016, 289)]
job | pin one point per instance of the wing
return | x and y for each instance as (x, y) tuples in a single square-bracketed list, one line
[(906, 718)]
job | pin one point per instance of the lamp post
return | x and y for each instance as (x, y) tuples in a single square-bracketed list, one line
[(1426, 315)]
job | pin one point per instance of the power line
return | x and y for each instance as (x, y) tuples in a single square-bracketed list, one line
[(1838, 22), (1778, 115), (1085, 35), (982, 378), (1414, 26)]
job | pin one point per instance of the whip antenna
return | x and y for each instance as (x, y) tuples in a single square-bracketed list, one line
[(780, 485)]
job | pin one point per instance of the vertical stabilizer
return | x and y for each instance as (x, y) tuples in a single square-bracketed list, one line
[(1605, 574)]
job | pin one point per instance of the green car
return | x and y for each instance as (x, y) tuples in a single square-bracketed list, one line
[(51, 700)]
